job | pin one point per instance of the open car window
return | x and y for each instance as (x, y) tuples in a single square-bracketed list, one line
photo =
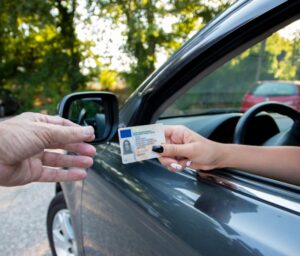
[(268, 71)]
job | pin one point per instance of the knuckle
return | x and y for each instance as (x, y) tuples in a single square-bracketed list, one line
[(56, 159), (73, 131), (71, 160), (27, 113), (47, 135), (30, 115)]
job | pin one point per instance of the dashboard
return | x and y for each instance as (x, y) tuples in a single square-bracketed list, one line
[(221, 127)]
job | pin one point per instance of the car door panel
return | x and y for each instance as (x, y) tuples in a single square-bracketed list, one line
[(143, 209)]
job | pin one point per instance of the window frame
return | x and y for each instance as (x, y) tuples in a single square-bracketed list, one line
[(279, 194)]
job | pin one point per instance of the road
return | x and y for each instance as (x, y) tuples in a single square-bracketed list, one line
[(23, 213)]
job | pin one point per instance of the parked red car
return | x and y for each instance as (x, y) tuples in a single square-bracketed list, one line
[(286, 92)]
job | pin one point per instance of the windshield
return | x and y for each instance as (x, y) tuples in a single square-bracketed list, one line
[(275, 89)]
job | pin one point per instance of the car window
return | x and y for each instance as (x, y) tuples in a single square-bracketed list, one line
[(271, 68), (275, 89)]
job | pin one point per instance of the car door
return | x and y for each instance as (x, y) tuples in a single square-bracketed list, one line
[(144, 209)]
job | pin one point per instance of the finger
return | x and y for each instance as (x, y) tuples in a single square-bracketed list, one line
[(79, 148), (186, 163), (171, 164), (59, 175), (176, 167), (60, 160), (177, 132), (54, 134), (180, 134), (167, 161), (56, 120), (170, 129), (174, 150), (38, 117)]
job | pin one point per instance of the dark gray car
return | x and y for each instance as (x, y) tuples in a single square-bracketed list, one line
[(142, 208)]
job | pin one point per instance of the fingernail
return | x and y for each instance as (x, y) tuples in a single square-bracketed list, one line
[(88, 161), (188, 163), (158, 148), (88, 130), (176, 166)]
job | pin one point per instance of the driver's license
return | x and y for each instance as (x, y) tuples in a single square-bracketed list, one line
[(136, 142)]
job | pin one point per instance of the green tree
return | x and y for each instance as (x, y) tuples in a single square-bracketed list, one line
[(275, 58), (145, 32), (40, 54)]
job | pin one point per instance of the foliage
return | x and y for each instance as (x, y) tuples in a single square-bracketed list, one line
[(146, 23), (40, 54), (278, 63), (225, 87), (43, 59), (108, 79)]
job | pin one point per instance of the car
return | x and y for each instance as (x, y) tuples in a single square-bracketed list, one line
[(142, 208), (286, 92), (8, 103)]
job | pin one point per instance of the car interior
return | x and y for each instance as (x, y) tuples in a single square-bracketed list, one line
[(212, 106), (221, 127)]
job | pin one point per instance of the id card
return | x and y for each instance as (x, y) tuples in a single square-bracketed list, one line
[(136, 142)]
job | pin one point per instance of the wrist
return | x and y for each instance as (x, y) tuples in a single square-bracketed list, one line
[(224, 153)]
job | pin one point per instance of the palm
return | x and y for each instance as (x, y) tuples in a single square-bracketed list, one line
[(24, 172)]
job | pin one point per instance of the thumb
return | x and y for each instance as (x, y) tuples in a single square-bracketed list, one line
[(174, 150)]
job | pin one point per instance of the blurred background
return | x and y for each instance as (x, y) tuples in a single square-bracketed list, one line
[(49, 48)]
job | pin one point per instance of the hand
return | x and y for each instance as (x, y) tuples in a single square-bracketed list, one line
[(186, 148), (23, 158)]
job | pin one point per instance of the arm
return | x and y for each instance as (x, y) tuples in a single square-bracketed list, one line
[(281, 163), (187, 148)]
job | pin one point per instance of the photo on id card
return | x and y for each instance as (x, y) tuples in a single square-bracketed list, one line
[(136, 142), (127, 144)]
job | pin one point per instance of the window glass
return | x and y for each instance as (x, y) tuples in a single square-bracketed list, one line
[(270, 69), (274, 89)]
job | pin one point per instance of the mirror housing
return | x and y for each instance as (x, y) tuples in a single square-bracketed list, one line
[(98, 109)]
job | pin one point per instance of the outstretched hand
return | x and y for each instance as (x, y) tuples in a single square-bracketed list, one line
[(24, 141), (186, 148)]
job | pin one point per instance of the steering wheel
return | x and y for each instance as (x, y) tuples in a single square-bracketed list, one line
[(290, 137)]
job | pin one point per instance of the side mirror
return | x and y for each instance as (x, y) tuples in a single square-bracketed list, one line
[(98, 109)]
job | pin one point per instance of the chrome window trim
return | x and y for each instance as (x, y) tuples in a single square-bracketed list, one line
[(248, 190)]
